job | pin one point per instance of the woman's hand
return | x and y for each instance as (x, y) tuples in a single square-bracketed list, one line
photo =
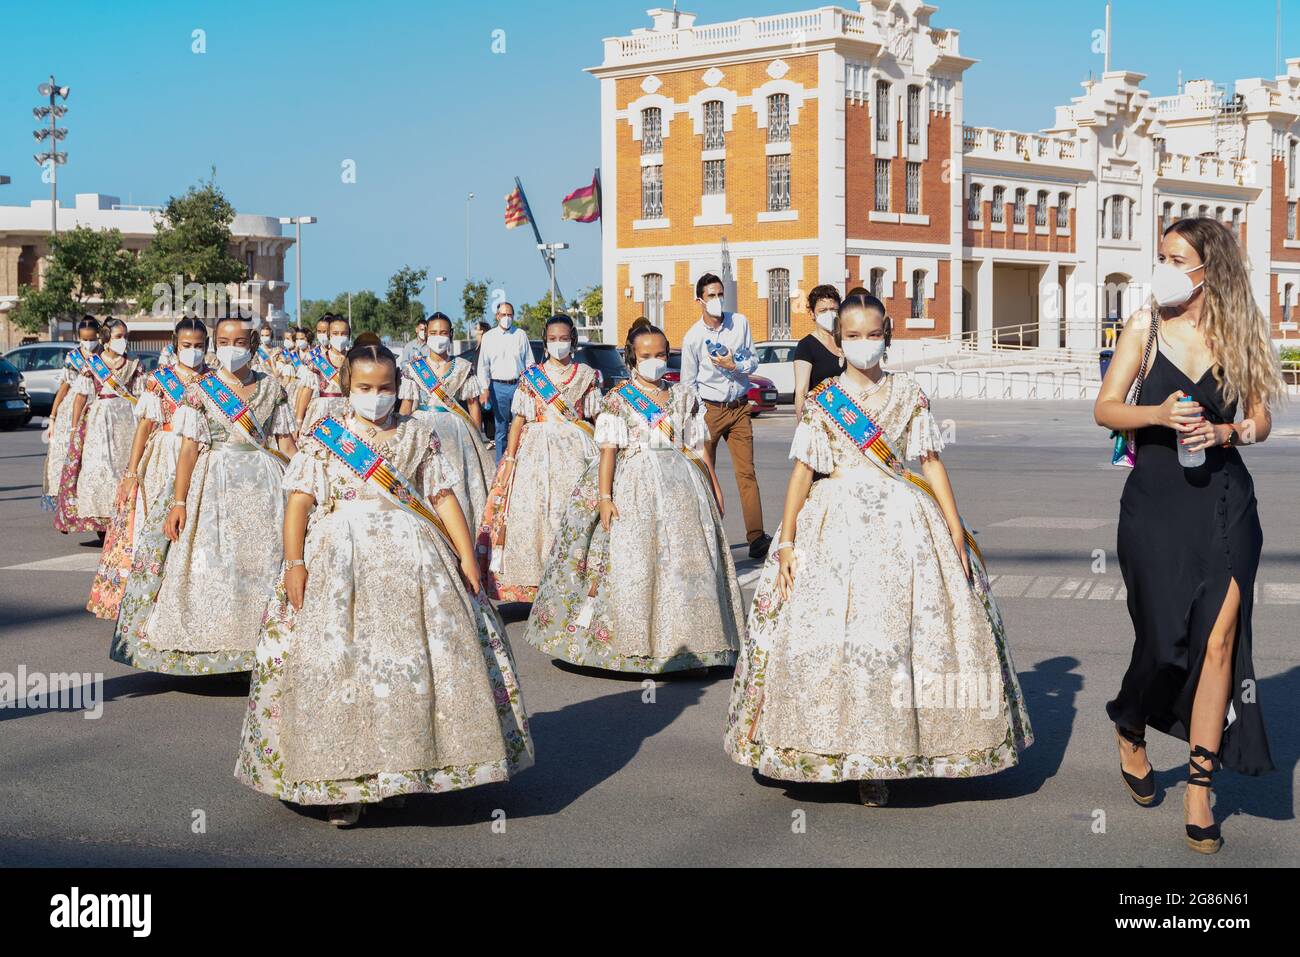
[(174, 524), (607, 513), (1204, 435), (959, 540), (1177, 415), (469, 573), (295, 585), (785, 572)]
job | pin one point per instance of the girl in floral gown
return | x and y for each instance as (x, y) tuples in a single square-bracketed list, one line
[(454, 415), (381, 669), (321, 393), (58, 433), (875, 650), (641, 577), (103, 426), (151, 470), (549, 447), (194, 602)]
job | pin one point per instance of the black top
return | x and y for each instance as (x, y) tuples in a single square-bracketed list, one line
[(825, 364)]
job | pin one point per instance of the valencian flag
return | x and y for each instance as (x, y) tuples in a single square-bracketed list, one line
[(583, 204), (516, 210)]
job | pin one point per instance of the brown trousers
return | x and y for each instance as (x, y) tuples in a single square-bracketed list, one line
[(733, 427)]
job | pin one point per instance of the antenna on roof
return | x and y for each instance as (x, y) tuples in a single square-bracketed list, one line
[(675, 13), (1277, 63), (1107, 62)]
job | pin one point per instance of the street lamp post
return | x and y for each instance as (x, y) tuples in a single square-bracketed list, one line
[(467, 199), (549, 250), (54, 133), (436, 281), (297, 222)]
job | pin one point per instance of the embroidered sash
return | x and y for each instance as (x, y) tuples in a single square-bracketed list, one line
[(327, 369), (106, 377), (434, 386), (368, 465), (295, 359), (549, 393), (870, 440), (238, 413), (171, 384), (658, 418)]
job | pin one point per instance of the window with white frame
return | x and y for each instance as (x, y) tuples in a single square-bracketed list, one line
[(1018, 211), (715, 177), (778, 304), (1290, 220), (877, 283), (914, 115), (1063, 211), (913, 206), (652, 192), (918, 293), (778, 182), (1286, 303), (975, 205), (995, 208), (1236, 220), (653, 297), (1040, 209), (1290, 164), (882, 186), (778, 118), (1202, 211), (652, 130), (1186, 211), (1117, 217), (1219, 213), (1166, 216), (882, 111), (714, 133)]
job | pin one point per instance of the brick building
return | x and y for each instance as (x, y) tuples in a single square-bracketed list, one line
[(828, 146)]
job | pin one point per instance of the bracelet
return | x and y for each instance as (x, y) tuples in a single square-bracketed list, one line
[(507, 458), (294, 563), (784, 545), (171, 503), (606, 498)]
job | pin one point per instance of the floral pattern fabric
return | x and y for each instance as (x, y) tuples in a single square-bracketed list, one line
[(392, 678), (658, 592), (56, 452), (886, 662)]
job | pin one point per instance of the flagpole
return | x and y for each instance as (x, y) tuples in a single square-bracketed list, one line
[(550, 268), (600, 202)]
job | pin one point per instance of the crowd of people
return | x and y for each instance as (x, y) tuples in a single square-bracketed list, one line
[(336, 521)]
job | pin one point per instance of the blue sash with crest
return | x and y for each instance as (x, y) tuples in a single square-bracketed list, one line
[(77, 359), (171, 384), (99, 368), (238, 413)]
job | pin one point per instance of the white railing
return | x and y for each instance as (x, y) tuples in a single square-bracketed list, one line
[(1240, 172), (1008, 342), (1009, 144)]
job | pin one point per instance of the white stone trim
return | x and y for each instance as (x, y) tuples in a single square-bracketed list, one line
[(650, 223), (636, 273), (876, 216), (695, 107), (761, 263), (931, 269), (776, 216), (777, 149), (796, 91), (633, 113)]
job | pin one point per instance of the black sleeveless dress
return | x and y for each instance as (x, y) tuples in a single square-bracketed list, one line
[(1184, 534)]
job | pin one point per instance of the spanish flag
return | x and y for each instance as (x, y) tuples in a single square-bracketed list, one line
[(516, 214), (583, 204)]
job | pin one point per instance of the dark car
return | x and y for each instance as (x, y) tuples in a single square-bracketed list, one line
[(607, 360), (15, 406), (762, 391)]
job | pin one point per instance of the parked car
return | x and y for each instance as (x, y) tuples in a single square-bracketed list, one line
[(15, 406), (762, 391), (776, 362), (41, 366), (606, 359), (148, 359)]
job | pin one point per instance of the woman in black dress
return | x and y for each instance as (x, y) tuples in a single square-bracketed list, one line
[(817, 357), (1189, 538)]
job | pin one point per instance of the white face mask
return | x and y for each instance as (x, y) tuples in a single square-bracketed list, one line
[(374, 406), (862, 354), (233, 358), (826, 319), (322, 338), (89, 346), (440, 344), (422, 335), (288, 343), (303, 345), (340, 343), (651, 369), (560, 350), (505, 322), (1171, 286), (714, 308), (118, 346), (191, 358)]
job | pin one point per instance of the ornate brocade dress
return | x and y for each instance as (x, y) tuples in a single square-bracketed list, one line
[(886, 662), (526, 503), (56, 453), (658, 592), (327, 396), (195, 606), (392, 678), (467, 458)]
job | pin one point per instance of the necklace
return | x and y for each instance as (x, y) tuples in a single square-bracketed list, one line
[(373, 430), (872, 388)]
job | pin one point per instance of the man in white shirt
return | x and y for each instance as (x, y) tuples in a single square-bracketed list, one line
[(418, 348), (717, 358), (503, 355)]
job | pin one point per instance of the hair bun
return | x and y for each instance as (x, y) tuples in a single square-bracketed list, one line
[(368, 339), (639, 324)]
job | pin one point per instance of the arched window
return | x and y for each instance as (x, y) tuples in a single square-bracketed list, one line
[(975, 206), (778, 118), (996, 211), (778, 304), (1018, 211), (877, 284), (1040, 209), (1117, 217), (652, 130), (653, 297), (1063, 211), (918, 293), (714, 126)]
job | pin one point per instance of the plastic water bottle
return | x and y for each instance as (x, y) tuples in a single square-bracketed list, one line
[(1186, 458)]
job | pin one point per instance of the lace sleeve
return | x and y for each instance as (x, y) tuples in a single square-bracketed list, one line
[(150, 406), (611, 430), (191, 423), (84, 384), (282, 420), (923, 436), (307, 473), (408, 391), (812, 446), (523, 404)]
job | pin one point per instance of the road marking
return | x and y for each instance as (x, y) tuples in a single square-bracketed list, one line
[(1069, 524), (87, 561), (1281, 593)]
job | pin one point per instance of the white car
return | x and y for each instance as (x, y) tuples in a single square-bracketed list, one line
[(776, 362), (41, 364)]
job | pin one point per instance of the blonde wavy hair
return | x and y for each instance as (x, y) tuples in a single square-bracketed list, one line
[(1235, 329)]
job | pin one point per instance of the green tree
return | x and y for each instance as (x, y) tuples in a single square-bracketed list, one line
[(474, 299), (403, 288), (87, 270), (593, 302)]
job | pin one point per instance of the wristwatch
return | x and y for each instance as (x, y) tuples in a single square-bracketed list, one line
[(1232, 438)]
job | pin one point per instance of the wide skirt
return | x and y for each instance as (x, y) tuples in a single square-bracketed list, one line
[(110, 432), (467, 460), (56, 454)]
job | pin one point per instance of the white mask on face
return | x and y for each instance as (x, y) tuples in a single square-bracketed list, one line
[(505, 322), (233, 358), (322, 338), (862, 354), (190, 358), (288, 343), (560, 350), (1171, 286), (714, 308), (440, 344), (374, 406), (421, 335), (118, 346), (651, 369), (340, 343), (89, 346), (826, 319), (303, 345)]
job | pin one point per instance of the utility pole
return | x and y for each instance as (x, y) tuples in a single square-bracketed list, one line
[(297, 222), (54, 111), (548, 252)]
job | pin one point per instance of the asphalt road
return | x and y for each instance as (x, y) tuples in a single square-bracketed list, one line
[(620, 780)]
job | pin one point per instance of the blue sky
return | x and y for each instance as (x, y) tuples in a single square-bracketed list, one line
[(412, 92)]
